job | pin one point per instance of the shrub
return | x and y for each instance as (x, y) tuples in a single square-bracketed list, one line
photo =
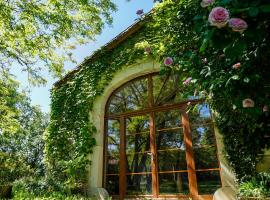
[(42, 189), (258, 186)]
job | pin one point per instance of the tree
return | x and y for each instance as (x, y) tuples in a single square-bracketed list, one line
[(21, 131), (43, 33)]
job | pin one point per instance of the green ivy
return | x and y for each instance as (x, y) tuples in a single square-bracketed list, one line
[(178, 29)]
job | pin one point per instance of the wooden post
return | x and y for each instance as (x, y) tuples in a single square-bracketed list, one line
[(154, 167), (122, 177), (193, 188)]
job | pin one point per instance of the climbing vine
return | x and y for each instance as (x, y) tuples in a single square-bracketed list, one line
[(219, 48)]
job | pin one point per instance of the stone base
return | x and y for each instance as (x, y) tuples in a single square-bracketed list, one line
[(225, 193), (99, 194)]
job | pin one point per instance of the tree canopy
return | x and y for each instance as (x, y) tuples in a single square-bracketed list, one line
[(39, 34)]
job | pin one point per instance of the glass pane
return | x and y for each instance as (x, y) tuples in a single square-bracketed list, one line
[(113, 139), (137, 125), (137, 143), (113, 165), (208, 182), (166, 89), (113, 147), (173, 139), (138, 155), (170, 141), (138, 162), (112, 184), (168, 119), (199, 114), (206, 158), (173, 183), (172, 160), (132, 96), (139, 184), (203, 135)]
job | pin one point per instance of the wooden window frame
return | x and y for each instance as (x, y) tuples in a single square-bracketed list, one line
[(151, 110)]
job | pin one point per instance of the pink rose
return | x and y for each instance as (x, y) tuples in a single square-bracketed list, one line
[(265, 108), (139, 12), (248, 103), (187, 81), (206, 3), (236, 66), (218, 17), (168, 61), (238, 25), (148, 50)]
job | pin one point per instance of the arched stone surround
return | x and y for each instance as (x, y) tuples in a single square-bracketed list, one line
[(97, 114), (97, 117)]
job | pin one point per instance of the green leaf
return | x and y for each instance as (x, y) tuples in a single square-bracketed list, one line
[(235, 77), (265, 8), (224, 2), (253, 11), (236, 50)]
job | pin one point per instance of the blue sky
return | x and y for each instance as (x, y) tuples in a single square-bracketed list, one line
[(124, 17)]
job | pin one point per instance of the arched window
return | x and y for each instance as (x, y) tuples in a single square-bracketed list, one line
[(159, 143)]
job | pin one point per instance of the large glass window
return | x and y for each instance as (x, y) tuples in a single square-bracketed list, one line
[(157, 144)]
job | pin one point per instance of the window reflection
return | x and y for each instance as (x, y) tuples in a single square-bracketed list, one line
[(173, 183), (208, 182), (169, 144), (132, 96)]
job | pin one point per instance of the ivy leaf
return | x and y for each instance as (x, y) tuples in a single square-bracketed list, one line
[(198, 17), (208, 35), (224, 2), (265, 8), (235, 77), (236, 50), (253, 11)]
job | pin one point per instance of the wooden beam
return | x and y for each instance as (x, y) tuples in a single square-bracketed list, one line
[(154, 165), (122, 177), (193, 188)]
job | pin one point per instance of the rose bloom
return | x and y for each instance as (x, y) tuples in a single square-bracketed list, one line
[(236, 66), (238, 25), (206, 3), (248, 103), (187, 81), (265, 108), (168, 61), (148, 50), (218, 17), (139, 12)]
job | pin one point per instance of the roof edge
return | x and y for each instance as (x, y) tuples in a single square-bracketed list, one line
[(109, 46)]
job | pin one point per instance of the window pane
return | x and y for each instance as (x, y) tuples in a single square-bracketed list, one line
[(200, 114), (138, 157), (113, 147), (173, 183), (112, 184), (203, 135), (113, 165), (132, 96), (137, 143), (138, 162), (167, 90), (168, 119), (208, 182), (172, 160), (139, 184), (170, 139), (206, 158)]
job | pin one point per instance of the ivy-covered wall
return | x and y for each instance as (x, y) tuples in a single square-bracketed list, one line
[(227, 64)]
